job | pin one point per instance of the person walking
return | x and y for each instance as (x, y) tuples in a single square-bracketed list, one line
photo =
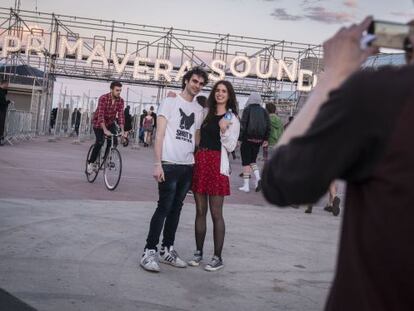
[(78, 117), (148, 126), (141, 126), (128, 119), (254, 132), (4, 104), (65, 118), (276, 129), (333, 201)]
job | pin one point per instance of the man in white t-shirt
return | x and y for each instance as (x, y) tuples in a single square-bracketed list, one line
[(178, 131)]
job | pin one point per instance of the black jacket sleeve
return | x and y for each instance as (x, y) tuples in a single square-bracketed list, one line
[(344, 141), (244, 123)]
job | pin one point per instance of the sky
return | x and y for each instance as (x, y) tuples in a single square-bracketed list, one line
[(306, 21)]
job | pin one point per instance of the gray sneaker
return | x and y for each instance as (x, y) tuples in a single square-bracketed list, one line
[(197, 258), (215, 264), (169, 256)]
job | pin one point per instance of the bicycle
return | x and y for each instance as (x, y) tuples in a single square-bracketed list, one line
[(110, 161)]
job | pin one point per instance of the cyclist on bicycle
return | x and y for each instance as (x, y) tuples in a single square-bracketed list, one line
[(110, 107)]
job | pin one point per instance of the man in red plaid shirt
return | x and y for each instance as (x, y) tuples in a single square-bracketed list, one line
[(110, 108)]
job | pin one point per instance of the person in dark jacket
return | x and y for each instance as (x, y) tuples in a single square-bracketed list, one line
[(78, 117), (141, 128), (65, 118), (128, 119), (331, 139), (254, 132), (73, 117), (53, 116), (4, 104)]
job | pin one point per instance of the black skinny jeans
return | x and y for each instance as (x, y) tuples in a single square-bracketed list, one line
[(100, 140), (172, 193)]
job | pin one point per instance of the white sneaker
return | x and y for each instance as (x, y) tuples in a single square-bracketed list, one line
[(197, 258), (169, 256), (244, 189), (149, 260), (92, 167)]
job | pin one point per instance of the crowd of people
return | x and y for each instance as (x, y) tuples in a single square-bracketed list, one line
[(67, 122)]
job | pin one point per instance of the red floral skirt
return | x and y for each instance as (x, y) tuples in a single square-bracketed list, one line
[(206, 177)]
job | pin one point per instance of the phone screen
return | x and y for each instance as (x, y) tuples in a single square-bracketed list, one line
[(389, 35)]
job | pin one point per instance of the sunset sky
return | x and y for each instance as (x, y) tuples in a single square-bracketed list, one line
[(307, 21)]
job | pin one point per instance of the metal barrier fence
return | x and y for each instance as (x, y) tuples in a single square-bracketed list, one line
[(18, 126), (66, 122)]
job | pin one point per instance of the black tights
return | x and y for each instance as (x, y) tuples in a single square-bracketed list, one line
[(219, 228)]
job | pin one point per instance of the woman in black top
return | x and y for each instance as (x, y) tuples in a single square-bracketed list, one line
[(209, 185)]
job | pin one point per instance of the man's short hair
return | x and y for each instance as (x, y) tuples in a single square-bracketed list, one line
[(152, 108), (114, 84), (195, 71), (271, 108)]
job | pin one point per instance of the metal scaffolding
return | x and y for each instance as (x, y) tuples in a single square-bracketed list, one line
[(176, 45)]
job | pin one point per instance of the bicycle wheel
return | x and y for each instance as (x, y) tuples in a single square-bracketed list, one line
[(92, 176), (112, 169)]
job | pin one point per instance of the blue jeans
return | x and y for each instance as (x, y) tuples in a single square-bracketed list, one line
[(172, 193)]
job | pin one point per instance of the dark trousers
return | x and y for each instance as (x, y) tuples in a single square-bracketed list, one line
[(2, 122), (100, 140), (141, 134), (172, 193), (249, 151)]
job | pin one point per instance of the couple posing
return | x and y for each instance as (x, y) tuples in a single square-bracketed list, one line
[(181, 127)]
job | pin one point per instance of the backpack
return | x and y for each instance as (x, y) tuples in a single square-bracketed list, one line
[(256, 125)]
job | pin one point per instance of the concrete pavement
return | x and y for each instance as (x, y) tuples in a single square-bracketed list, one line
[(69, 245)]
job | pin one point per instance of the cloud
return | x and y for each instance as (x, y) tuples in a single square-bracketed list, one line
[(306, 3), (281, 14), (322, 15), (403, 14), (316, 13), (351, 3)]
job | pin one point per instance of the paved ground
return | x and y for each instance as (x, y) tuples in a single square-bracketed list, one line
[(69, 245)]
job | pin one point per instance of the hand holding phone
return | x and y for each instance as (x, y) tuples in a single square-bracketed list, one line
[(389, 35)]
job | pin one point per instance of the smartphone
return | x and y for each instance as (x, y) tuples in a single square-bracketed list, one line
[(388, 35)]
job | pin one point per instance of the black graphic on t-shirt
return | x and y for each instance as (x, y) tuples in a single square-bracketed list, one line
[(186, 123)]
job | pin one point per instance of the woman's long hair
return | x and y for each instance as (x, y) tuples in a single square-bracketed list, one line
[(212, 104)]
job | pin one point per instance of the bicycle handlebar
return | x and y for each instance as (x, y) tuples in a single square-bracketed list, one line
[(114, 135)]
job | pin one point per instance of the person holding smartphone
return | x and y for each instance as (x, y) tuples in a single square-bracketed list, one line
[(219, 135), (358, 126)]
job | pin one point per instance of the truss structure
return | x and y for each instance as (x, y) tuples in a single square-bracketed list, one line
[(176, 45)]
